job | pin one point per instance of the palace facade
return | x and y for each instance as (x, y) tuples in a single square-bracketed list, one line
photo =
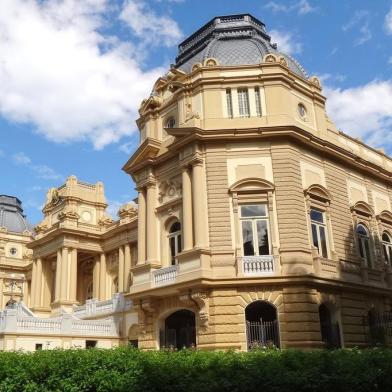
[(257, 222)]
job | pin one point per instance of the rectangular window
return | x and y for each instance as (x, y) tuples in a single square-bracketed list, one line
[(38, 346), (243, 102), (319, 236), (229, 103), (255, 230), (258, 102)]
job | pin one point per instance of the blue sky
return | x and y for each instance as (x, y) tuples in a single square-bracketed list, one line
[(73, 72)]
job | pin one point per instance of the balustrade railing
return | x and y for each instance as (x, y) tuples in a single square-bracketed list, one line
[(93, 307), (258, 265), (165, 276), (18, 320)]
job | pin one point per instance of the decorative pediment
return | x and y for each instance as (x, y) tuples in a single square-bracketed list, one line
[(362, 208), (252, 185), (385, 216), (318, 192)]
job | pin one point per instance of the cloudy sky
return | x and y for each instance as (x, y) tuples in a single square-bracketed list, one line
[(73, 72)]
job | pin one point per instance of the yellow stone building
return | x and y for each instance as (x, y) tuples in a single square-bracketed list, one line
[(257, 222)]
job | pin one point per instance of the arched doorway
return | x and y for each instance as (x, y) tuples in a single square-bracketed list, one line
[(262, 328), (329, 328), (179, 330)]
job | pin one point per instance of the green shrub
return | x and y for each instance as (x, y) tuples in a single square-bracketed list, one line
[(127, 369)]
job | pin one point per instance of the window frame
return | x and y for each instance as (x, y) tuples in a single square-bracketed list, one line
[(362, 240), (243, 105), (176, 236), (318, 225), (318, 198), (258, 105), (254, 220), (229, 103), (386, 247)]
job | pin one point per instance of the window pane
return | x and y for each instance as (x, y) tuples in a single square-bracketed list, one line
[(385, 249), (229, 103), (247, 238), (253, 210), (172, 244), (385, 237), (179, 243), (361, 230), (316, 216), (315, 235), (367, 251), (262, 237), (323, 241), (243, 102), (360, 243), (258, 101)]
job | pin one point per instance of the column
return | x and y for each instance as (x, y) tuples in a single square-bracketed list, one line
[(152, 245), (64, 275), (102, 277), (199, 205), (38, 286), (47, 283), (96, 276), (141, 228), (33, 283), (127, 265), (187, 225), (58, 277), (121, 269), (73, 271)]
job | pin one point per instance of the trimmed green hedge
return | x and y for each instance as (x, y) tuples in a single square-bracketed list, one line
[(126, 369)]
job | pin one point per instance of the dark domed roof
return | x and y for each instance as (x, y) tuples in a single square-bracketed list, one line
[(11, 215), (231, 40)]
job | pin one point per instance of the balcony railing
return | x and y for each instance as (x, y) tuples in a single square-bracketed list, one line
[(93, 307), (20, 320), (165, 276), (258, 265)]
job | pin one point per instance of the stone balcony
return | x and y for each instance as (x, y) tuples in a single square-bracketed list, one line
[(258, 265), (94, 308), (20, 320)]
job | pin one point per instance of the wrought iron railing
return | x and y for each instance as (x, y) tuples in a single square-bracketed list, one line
[(261, 334)]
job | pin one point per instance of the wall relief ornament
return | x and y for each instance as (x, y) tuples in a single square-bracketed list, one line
[(169, 189)]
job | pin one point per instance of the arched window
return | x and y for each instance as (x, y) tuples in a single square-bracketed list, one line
[(175, 241), (363, 243), (387, 247), (171, 122)]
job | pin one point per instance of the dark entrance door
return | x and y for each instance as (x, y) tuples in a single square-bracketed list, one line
[(180, 331), (261, 325)]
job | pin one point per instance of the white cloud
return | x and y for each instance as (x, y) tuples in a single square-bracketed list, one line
[(363, 111), (59, 72), (301, 7), (388, 21), (21, 158), (147, 25), (359, 18), (42, 171), (286, 42)]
